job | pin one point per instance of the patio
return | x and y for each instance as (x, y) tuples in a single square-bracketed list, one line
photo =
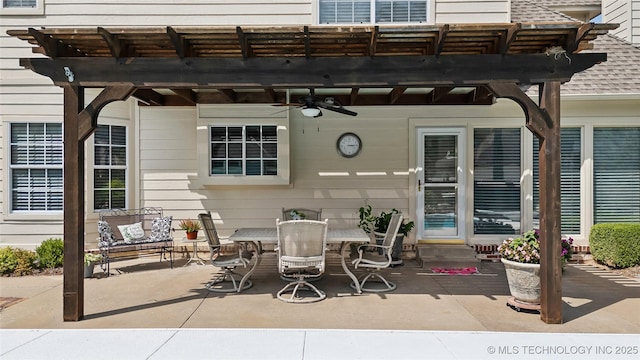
[(174, 316), (150, 295)]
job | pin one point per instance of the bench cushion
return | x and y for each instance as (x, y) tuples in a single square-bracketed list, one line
[(106, 234), (132, 233), (161, 228)]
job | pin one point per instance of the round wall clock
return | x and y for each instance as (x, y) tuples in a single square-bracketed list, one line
[(349, 145)]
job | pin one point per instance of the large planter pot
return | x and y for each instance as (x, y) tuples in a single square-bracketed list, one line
[(524, 281), (88, 270)]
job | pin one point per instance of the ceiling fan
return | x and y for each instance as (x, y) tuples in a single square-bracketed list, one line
[(311, 104)]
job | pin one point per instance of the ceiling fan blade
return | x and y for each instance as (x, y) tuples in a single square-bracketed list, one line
[(337, 109), (286, 104)]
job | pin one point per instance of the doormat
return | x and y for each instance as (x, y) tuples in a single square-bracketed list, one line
[(5, 302), (456, 271)]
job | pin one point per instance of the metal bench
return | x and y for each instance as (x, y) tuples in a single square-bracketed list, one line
[(155, 238)]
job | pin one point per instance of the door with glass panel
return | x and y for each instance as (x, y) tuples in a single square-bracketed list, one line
[(441, 183)]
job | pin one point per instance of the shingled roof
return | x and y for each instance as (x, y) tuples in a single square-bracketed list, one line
[(569, 2), (619, 75)]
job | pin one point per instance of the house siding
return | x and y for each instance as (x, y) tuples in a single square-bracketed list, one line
[(472, 11), (627, 14)]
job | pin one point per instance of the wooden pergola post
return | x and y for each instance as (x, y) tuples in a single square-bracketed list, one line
[(550, 217), (73, 279), (543, 121), (79, 123)]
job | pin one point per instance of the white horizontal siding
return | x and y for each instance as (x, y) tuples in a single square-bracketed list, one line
[(635, 22), (619, 12), (472, 11)]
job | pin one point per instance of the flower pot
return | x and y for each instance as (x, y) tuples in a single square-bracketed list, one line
[(192, 235), (524, 281), (88, 270)]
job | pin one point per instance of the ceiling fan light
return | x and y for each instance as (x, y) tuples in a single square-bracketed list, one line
[(310, 112)]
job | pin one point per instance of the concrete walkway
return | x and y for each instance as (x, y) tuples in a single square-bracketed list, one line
[(148, 311)]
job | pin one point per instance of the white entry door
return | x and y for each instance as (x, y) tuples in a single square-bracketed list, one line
[(441, 180)]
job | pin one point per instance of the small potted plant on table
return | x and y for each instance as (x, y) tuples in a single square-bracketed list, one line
[(191, 227)]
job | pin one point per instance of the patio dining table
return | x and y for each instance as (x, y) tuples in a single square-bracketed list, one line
[(267, 235)]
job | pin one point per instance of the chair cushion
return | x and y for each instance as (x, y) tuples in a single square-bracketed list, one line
[(161, 228), (106, 234), (132, 232)]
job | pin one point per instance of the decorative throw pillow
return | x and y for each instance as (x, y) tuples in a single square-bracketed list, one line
[(132, 233), (106, 234), (161, 229)]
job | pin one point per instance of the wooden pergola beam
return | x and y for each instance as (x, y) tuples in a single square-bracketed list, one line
[(187, 94), (267, 72), (88, 117)]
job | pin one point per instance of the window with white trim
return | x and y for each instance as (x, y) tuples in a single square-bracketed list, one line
[(249, 150), (616, 175), (22, 7), (496, 181), (19, 3), (383, 11), (570, 165), (35, 152), (110, 167)]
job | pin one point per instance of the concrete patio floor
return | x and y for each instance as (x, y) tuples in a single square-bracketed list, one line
[(148, 296)]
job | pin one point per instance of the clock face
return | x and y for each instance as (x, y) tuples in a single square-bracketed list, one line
[(349, 145)]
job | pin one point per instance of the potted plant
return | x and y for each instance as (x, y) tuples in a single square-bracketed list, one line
[(521, 259), (191, 227), (90, 261), (377, 225)]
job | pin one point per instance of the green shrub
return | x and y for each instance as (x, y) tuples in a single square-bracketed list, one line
[(8, 260), (50, 253), (616, 245), (26, 260)]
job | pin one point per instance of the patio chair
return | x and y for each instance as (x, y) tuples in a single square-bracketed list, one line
[(222, 279), (373, 262), (301, 257), (301, 214)]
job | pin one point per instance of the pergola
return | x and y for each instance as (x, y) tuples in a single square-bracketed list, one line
[(197, 65)]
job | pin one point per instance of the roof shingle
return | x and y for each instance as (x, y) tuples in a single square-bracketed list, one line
[(620, 74)]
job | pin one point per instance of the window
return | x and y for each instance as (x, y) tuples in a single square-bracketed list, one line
[(362, 11), (110, 166), (22, 7), (394, 11), (616, 175), (19, 3), (496, 184), (250, 150), (570, 164), (36, 181)]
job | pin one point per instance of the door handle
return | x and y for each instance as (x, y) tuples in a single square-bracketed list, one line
[(419, 185)]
